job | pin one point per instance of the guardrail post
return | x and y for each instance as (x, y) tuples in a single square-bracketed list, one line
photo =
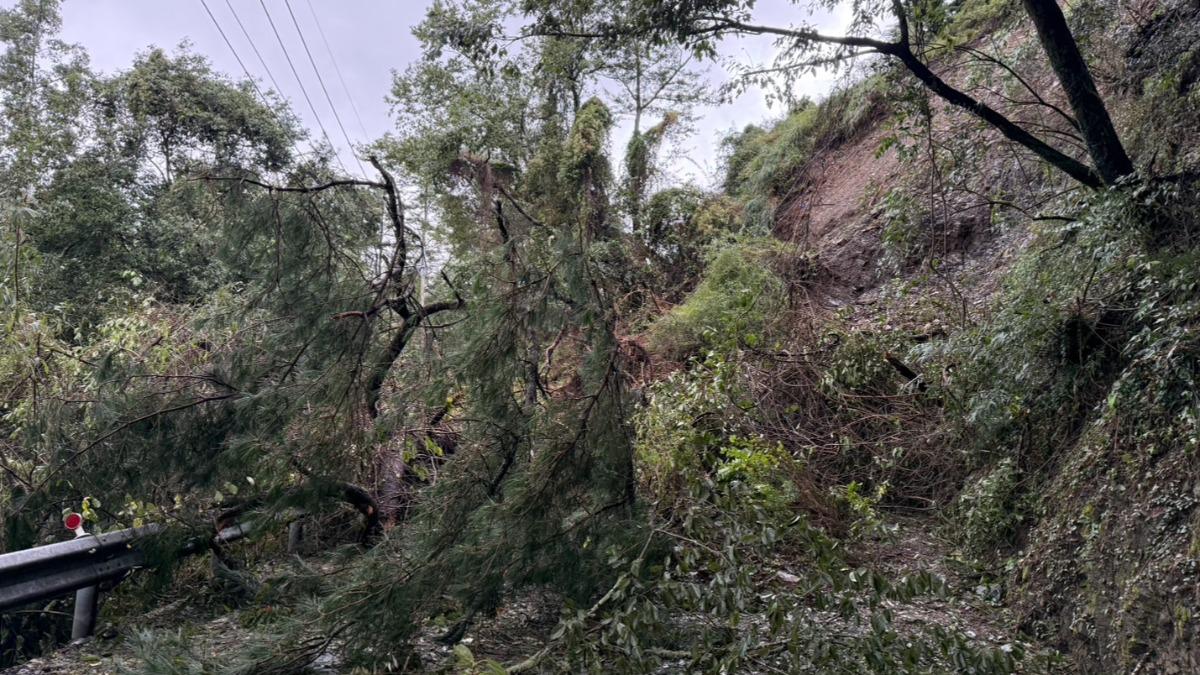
[(295, 536), (83, 624)]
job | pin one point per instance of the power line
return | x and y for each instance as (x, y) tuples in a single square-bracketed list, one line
[(300, 82), (361, 127), (251, 78), (254, 83), (234, 51), (261, 60), (320, 80)]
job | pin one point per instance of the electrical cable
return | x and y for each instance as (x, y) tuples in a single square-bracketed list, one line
[(303, 90), (234, 51), (261, 60), (249, 76), (345, 89), (320, 80)]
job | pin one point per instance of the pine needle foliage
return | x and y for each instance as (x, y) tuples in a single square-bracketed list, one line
[(541, 483)]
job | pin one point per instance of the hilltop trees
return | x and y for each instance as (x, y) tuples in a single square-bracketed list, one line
[(653, 80), (699, 25), (177, 113)]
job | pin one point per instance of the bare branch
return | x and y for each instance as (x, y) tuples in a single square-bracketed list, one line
[(347, 182)]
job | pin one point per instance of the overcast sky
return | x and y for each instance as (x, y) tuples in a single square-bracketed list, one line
[(368, 39)]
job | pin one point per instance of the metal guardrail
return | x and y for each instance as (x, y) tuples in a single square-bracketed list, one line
[(80, 565)]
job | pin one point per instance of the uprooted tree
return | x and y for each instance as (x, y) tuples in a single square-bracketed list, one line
[(542, 477)]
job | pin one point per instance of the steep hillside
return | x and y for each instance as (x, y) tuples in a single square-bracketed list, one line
[(904, 395), (1059, 350)]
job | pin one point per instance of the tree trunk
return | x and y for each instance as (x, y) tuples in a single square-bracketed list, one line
[(1067, 164), (636, 183), (1104, 146)]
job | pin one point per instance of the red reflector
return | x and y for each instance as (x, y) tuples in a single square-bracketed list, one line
[(73, 521)]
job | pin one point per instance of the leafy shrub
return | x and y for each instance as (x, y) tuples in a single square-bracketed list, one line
[(857, 363), (865, 519), (986, 514), (696, 424), (740, 149), (905, 237), (678, 224), (731, 306)]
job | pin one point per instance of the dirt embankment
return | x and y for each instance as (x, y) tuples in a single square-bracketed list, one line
[(1108, 571)]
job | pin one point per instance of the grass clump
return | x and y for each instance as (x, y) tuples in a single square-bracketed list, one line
[(763, 167), (965, 21)]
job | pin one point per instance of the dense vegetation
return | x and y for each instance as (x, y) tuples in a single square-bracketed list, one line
[(912, 388)]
